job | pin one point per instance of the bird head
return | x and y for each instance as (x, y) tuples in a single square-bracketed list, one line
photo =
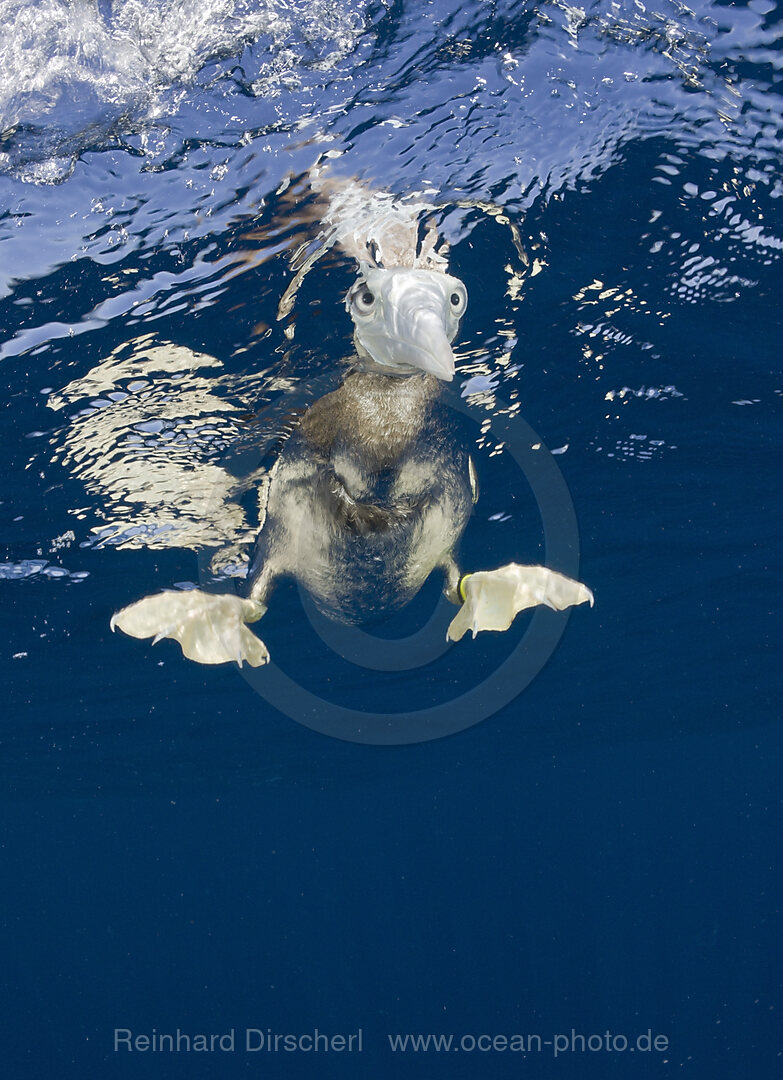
[(405, 320)]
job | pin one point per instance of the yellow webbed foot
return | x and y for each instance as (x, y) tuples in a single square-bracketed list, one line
[(494, 597), (210, 627)]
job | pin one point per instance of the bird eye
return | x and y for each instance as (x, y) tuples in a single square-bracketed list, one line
[(363, 300), (458, 301)]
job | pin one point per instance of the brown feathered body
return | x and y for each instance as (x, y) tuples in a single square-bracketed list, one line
[(370, 494)]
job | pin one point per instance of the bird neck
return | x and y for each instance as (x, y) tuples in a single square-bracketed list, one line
[(383, 415)]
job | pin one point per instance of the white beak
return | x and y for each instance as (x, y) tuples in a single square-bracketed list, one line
[(420, 340)]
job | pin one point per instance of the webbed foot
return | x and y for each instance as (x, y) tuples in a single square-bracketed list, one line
[(210, 627), (493, 597)]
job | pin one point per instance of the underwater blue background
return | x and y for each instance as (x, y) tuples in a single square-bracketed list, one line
[(604, 852)]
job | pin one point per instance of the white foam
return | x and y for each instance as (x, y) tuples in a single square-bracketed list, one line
[(92, 64)]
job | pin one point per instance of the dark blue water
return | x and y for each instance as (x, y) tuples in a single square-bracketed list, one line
[(601, 853)]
